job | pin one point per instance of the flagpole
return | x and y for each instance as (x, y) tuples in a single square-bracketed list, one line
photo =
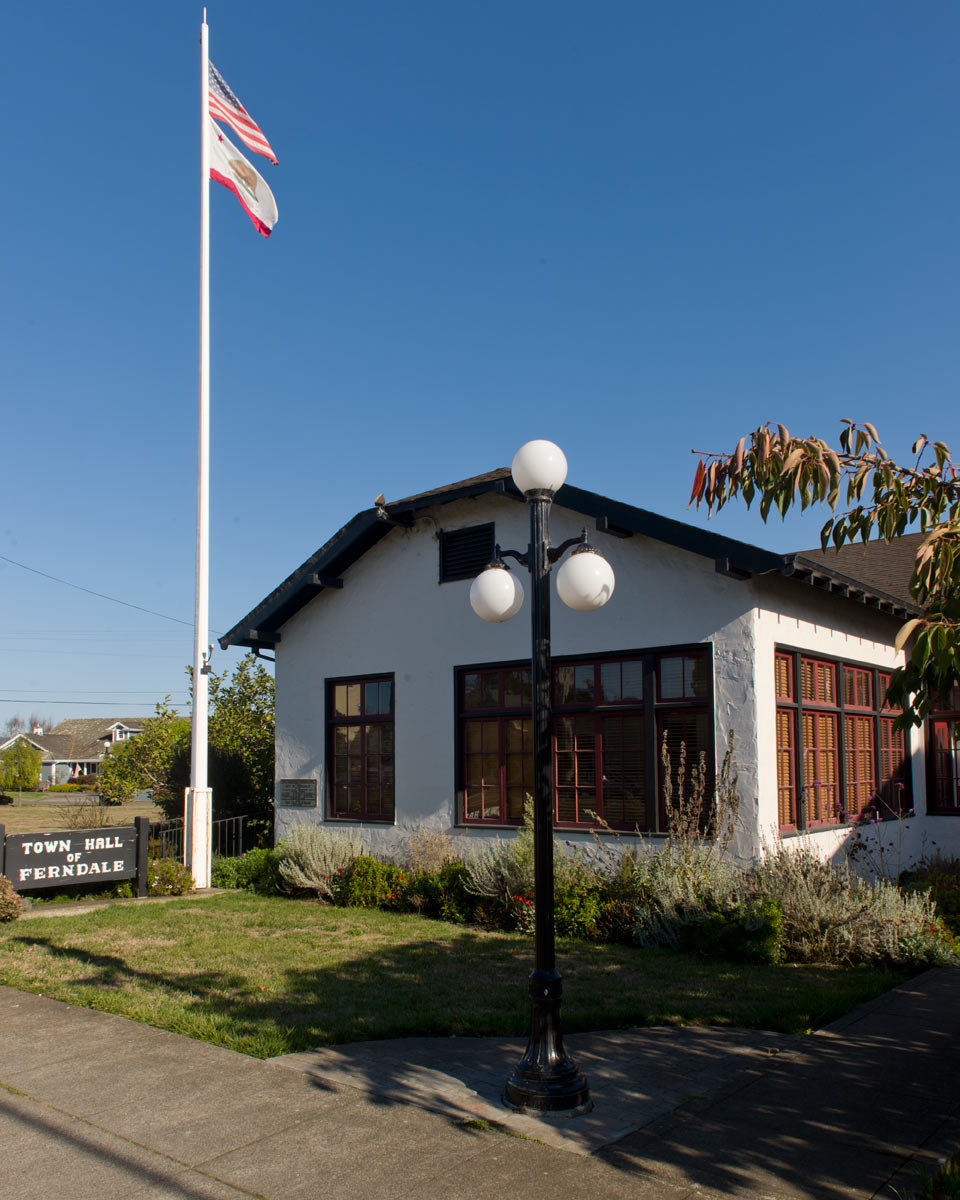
[(199, 797)]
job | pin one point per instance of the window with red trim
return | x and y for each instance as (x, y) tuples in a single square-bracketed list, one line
[(853, 761), (943, 755), (609, 715), (360, 748)]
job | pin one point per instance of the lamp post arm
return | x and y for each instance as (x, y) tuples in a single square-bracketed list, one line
[(522, 559), (553, 553)]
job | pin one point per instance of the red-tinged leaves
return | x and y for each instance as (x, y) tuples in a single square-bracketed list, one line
[(795, 456), (784, 435), (872, 431), (738, 455), (699, 483)]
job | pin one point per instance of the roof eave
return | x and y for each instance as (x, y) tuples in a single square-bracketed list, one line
[(814, 573), (261, 628)]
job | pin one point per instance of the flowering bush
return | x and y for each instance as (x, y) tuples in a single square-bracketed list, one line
[(524, 913), (369, 883), (168, 877)]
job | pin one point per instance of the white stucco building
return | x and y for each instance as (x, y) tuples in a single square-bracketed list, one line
[(398, 708)]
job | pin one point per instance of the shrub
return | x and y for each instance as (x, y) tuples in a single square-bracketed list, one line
[(5, 799), (615, 921), (311, 858), (677, 888), (428, 851), (441, 893), (748, 932), (369, 883), (576, 913), (576, 897), (11, 906), (167, 877), (940, 878), (86, 813), (500, 872), (223, 873), (831, 916), (256, 871)]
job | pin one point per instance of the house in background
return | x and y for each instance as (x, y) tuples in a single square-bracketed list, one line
[(396, 707), (77, 745)]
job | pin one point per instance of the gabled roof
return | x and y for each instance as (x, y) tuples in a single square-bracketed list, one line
[(83, 739), (261, 627), (33, 738)]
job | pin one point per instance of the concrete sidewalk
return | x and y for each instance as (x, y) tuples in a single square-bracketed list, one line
[(97, 1106)]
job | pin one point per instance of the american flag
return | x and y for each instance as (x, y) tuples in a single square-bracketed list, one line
[(224, 106)]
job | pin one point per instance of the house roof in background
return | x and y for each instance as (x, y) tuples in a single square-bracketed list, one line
[(80, 739), (260, 628)]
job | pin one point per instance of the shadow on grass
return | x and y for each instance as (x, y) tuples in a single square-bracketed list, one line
[(464, 983), (829, 1116)]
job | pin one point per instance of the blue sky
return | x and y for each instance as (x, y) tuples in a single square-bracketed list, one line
[(633, 228)]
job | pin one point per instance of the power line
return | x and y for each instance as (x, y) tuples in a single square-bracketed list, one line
[(99, 595), (74, 703), (95, 692)]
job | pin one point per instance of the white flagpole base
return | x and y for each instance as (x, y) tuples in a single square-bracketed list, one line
[(199, 811)]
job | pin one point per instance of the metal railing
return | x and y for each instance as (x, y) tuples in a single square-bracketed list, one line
[(226, 838)]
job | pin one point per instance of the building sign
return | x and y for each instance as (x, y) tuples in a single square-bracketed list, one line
[(45, 860), (297, 793)]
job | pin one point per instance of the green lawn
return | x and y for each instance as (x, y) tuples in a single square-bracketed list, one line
[(270, 976)]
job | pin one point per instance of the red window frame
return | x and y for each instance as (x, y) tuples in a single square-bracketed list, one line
[(361, 770), (839, 757), (943, 756), (609, 713)]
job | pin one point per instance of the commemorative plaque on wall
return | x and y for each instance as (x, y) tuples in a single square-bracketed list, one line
[(297, 793)]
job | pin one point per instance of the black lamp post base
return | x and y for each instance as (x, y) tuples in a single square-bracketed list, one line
[(546, 1079)]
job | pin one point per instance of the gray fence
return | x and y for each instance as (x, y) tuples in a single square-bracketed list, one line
[(226, 838)]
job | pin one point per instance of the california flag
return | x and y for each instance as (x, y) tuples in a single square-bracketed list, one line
[(229, 167)]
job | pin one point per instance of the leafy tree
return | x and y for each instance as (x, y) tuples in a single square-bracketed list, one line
[(881, 497), (20, 766), (148, 761), (241, 756)]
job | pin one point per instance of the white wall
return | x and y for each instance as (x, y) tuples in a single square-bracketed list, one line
[(393, 616), (789, 615)]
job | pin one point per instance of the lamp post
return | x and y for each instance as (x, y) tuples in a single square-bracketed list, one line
[(546, 1078)]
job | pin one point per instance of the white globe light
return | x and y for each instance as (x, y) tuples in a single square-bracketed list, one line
[(539, 466), (496, 594), (585, 581)]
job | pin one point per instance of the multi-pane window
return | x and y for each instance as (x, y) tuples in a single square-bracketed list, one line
[(838, 753), (943, 756), (609, 718), (496, 731), (360, 748)]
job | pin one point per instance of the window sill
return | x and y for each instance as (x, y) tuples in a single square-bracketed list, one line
[(827, 827), (339, 820)]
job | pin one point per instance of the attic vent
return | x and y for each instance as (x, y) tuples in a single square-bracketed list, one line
[(464, 553)]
